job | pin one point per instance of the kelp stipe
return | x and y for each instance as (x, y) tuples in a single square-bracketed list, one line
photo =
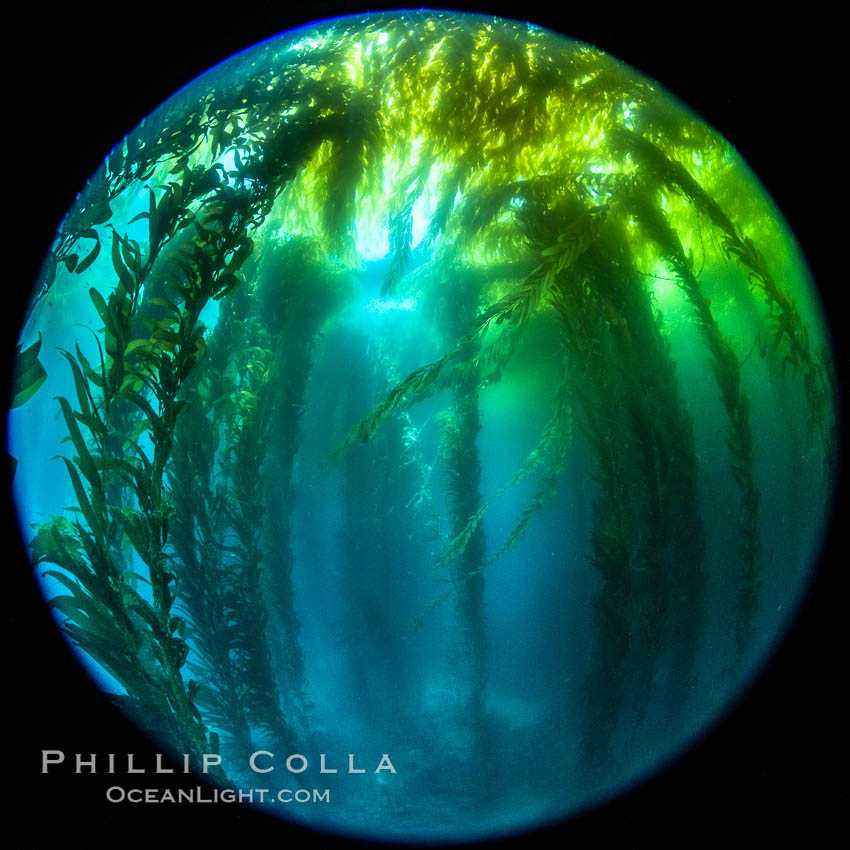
[(427, 401)]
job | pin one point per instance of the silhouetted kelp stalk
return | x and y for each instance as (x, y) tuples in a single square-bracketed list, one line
[(218, 488), (207, 595), (550, 454), (790, 342), (379, 566), (297, 291), (647, 539), (463, 473), (727, 373), (242, 467), (261, 353)]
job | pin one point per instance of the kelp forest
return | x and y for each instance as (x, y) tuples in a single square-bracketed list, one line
[(426, 385)]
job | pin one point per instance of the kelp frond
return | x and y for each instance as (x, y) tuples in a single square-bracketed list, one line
[(790, 342), (29, 373), (551, 451), (514, 309), (727, 374)]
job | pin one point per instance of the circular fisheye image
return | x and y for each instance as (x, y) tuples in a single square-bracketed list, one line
[(423, 428)]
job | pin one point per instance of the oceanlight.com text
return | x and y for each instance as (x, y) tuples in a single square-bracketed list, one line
[(202, 794)]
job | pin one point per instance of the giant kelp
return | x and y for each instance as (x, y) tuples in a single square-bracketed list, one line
[(527, 194), (377, 557)]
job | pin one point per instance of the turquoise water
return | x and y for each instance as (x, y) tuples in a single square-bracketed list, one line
[(485, 701)]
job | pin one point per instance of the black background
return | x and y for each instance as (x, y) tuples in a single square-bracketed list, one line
[(88, 73)]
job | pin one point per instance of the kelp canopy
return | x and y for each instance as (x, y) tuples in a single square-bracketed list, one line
[(395, 353)]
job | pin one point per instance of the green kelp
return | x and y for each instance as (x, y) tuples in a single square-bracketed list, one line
[(414, 309)]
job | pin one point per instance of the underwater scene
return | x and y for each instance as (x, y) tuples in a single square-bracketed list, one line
[(432, 399)]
